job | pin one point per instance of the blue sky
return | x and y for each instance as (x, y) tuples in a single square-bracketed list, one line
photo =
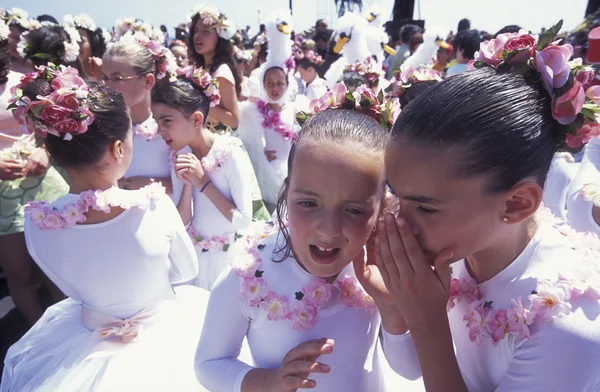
[(490, 15)]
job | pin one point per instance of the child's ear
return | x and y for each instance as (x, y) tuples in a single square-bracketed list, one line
[(198, 119)]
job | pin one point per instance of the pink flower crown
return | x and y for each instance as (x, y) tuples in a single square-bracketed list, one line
[(574, 99), (363, 100), (406, 76), (365, 71), (203, 79), (163, 58), (63, 112), (311, 56)]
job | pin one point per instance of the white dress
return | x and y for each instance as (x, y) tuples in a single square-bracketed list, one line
[(562, 355), (228, 167), (563, 170), (116, 274), (580, 207), (357, 362), (150, 152), (316, 89), (258, 138)]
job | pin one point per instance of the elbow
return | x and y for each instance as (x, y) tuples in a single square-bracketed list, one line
[(241, 220)]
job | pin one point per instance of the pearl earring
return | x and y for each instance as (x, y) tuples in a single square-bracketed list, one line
[(505, 220)]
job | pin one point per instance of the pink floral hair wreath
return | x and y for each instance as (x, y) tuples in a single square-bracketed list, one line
[(203, 79), (574, 100), (64, 112), (163, 58), (363, 100)]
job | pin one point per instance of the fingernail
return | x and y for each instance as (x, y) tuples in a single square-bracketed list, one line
[(327, 348), (400, 222), (324, 368)]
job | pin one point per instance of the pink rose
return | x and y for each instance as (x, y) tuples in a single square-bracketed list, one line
[(551, 301), (566, 107), (519, 319), (588, 131), (497, 324), (68, 100), (53, 221), (68, 79), (350, 293), (317, 293), (491, 51), (304, 316), (593, 93), (525, 43), (552, 63), (67, 125), (586, 76), (53, 114)]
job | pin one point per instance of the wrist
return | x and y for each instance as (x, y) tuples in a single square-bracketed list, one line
[(393, 321)]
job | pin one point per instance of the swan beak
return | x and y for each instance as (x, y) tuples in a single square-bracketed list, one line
[(339, 45), (371, 17), (388, 49), (442, 44), (284, 28)]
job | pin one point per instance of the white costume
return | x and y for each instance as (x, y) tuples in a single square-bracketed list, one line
[(315, 89), (563, 170), (356, 361), (562, 355), (228, 167), (118, 276), (150, 152), (580, 207), (376, 35)]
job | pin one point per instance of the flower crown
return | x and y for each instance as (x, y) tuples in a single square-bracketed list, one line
[(362, 100), (163, 58), (71, 46), (210, 16), (407, 75), (541, 59), (130, 26), (367, 71), (4, 30), (244, 55), (20, 17), (82, 21), (63, 112), (311, 56), (203, 79)]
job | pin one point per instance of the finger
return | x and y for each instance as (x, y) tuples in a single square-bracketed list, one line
[(310, 349), (370, 246), (295, 382), (380, 264), (386, 254), (401, 258), (299, 367), (412, 248), (442, 268), (360, 268)]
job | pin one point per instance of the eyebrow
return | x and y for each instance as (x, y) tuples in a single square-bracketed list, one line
[(164, 116), (416, 198), (311, 193)]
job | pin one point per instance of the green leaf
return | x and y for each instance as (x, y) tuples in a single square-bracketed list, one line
[(479, 64), (548, 37), (589, 113), (37, 110), (238, 236), (226, 247), (380, 96), (199, 238)]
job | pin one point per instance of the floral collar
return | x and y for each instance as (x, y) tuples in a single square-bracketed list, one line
[(551, 299), (272, 120), (47, 217), (304, 309), (591, 192), (148, 129)]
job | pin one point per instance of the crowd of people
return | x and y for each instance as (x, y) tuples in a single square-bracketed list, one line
[(330, 209)]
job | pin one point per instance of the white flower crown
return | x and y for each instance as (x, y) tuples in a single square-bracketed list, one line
[(4, 30), (210, 15), (83, 21)]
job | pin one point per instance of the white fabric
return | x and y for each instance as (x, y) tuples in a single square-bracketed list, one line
[(356, 362), (119, 267), (234, 181), (562, 172), (316, 89), (580, 210), (150, 157), (257, 139), (562, 356)]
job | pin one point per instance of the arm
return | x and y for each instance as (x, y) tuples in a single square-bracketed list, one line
[(238, 173), (225, 327), (183, 262), (400, 352), (184, 205), (227, 111)]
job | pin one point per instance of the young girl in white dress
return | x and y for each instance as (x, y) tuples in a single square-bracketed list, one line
[(132, 66), (512, 302), (115, 253), (313, 315), (211, 174), (308, 67)]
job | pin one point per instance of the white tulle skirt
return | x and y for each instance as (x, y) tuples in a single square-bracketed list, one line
[(60, 354)]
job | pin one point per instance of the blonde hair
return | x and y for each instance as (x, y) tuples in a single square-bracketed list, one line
[(138, 56)]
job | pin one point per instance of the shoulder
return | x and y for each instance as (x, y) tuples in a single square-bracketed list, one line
[(224, 72)]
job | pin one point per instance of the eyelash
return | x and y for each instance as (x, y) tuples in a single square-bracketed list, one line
[(427, 210), (306, 204), (354, 211)]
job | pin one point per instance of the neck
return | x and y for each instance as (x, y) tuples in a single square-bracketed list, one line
[(89, 178), (487, 263), (208, 58), (140, 112), (202, 143), (275, 106)]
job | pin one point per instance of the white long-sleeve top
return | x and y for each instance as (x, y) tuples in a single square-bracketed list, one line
[(150, 152), (355, 361), (233, 179), (120, 266), (579, 210), (561, 356), (562, 172)]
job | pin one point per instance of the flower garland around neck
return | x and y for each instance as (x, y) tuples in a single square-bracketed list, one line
[(303, 312), (272, 120), (148, 129), (591, 192), (203, 79), (542, 60), (46, 217), (550, 300)]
